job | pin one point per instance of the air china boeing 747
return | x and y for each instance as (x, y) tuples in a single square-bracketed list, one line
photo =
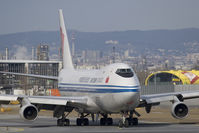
[(112, 89)]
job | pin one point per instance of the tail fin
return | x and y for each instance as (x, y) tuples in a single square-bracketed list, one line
[(67, 60)]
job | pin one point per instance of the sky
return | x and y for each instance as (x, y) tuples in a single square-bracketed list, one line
[(98, 15)]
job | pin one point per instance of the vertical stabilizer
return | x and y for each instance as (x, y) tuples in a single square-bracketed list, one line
[(67, 60)]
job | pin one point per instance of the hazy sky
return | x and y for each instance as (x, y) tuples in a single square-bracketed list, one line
[(98, 15)]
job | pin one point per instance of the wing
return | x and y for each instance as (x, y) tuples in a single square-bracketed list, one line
[(32, 104), (181, 96), (148, 101), (31, 75), (46, 100)]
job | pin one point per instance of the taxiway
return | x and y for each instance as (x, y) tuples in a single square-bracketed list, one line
[(47, 124)]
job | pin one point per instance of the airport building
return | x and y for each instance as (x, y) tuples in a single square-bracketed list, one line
[(173, 77), (50, 68)]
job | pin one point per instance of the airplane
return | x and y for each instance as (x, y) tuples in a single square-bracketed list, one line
[(111, 90)]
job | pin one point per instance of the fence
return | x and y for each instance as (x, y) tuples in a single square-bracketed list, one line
[(155, 89)]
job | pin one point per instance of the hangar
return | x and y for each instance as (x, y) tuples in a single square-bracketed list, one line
[(175, 77)]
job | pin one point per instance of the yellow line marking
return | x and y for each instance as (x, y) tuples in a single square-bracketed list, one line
[(10, 129)]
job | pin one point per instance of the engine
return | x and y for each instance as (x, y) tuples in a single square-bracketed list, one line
[(179, 110), (28, 112)]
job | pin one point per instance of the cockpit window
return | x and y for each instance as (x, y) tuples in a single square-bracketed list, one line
[(126, 73)]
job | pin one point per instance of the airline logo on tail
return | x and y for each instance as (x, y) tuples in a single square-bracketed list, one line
[(62, 41), (67, 59)]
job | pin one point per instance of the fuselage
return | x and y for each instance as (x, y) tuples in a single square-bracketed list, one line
[(112, 89)]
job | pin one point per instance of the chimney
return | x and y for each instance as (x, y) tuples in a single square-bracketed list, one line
[(7, 54), (33, 53)]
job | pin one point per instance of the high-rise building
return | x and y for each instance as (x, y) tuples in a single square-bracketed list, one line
[(43, 52), (33, 53), (7, 54), (73, 45), (126, 53)]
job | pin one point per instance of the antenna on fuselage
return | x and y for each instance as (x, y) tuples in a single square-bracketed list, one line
[(67, 59)]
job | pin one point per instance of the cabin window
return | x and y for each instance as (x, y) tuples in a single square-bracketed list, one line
[(126, 73)]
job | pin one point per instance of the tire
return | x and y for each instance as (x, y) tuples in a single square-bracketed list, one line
[(109, 121), (130, 121), (60, 122), (120, 124), (79, 122), (126, 123), (135, 121), (66, 122), (102, 121), (85, 121)]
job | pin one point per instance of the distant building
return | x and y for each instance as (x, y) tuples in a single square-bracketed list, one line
[(73, 45), (50, 68), (91, 56), (43, 52), (33, 53), (7, 54), (1, 56), (126, 53)]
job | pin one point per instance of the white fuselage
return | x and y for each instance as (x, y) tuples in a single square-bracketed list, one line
[(106, 91)]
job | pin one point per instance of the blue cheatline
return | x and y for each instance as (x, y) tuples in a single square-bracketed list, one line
[(90, 85), (94, 90)]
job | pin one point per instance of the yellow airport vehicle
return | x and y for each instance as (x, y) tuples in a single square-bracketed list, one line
[(175, 77)]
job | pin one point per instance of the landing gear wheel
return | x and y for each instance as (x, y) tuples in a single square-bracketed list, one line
[(132, 121), (106, 121), (66, 122), (109, 121), (82, 121), (126, 123), (60, 122), (123, 123), (79, 122), (102, 121), (135, 121), (85, 122), (63, 122), (120, 124)]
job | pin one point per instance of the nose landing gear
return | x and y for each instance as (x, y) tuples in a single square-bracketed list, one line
[(128, 121)]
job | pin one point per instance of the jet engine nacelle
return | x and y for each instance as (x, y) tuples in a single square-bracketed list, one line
[(28, 112), (179, 110)]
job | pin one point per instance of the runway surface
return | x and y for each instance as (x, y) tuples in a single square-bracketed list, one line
[(45, 124)]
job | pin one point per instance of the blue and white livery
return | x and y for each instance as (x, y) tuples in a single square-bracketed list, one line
[(112, 89)]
